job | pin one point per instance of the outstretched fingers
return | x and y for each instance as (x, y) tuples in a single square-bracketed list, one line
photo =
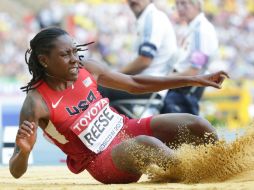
[(216, 79), (223, 73)]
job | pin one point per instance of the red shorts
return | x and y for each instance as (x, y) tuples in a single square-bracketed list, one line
[(102, 167)]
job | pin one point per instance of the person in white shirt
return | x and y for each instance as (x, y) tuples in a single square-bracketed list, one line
[(156, 42), (155, 46), (198, 46)]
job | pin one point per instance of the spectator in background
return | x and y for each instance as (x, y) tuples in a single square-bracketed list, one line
[(155, 46), (51, 15), (196, 49)]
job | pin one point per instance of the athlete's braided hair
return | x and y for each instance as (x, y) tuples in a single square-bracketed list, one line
[(41, 44)]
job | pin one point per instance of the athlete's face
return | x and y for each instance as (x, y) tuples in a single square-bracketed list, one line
[(137, 6), (62, 61), (187, 10)]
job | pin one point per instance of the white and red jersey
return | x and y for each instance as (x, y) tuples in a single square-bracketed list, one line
[(66, 108)]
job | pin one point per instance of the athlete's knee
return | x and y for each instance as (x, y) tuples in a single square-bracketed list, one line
[(206, 128), (147, 141), (205, 123), (200, 126), (199, 121)]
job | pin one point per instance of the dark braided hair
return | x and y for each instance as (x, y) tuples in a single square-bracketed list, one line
[(41, 44)]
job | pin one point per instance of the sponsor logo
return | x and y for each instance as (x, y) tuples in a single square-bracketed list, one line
[(57, 103)]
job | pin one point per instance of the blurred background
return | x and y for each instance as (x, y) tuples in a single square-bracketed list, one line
[(111, 25)]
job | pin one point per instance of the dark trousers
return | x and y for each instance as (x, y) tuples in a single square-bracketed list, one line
[(177, 102)]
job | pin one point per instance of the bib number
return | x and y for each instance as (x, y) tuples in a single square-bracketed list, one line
[(98, 126)]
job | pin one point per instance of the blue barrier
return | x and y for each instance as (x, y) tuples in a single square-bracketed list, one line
[(43, 153)]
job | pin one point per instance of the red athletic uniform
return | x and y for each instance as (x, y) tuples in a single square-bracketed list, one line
[(67, 107)]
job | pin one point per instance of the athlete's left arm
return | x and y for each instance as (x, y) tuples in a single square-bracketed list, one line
[(144, 84)]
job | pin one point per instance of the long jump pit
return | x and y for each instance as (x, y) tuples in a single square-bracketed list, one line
[(223, 165)]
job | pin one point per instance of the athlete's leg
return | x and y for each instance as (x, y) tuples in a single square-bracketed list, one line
[(182, 128), (135, 154), (131, 151)]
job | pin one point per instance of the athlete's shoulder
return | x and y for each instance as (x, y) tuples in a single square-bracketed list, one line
[(32, 97), (34, 106)]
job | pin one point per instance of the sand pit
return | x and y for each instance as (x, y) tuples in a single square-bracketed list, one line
[(224, 165), (59, 178)]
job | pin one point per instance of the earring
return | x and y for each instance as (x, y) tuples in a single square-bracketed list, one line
[(44, 65)]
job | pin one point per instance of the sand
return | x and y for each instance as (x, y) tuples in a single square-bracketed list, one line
[(59, 178), (225, 165)]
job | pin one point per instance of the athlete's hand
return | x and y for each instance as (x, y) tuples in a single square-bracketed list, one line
[(26, 136), (214, 79)]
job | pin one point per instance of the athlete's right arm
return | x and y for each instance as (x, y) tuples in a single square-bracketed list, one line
[(26, 136)]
